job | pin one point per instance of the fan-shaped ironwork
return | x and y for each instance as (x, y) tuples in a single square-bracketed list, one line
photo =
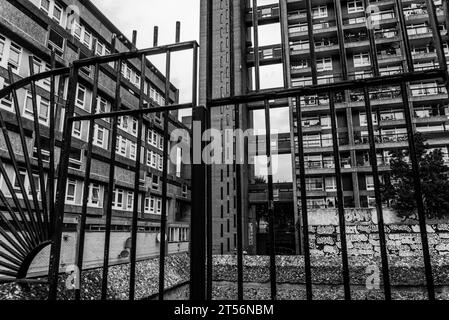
[(26, 202)]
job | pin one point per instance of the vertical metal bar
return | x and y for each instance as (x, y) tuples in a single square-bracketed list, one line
[(340, 198), (209, 222), (231, 49), (271, 215), (304, 209), (195, 75), (30, 230), (155, 36), (39, 154), (178, 32), (19, 245), (283, 21), (256, 46), (239, 156), (51, 169), (79, 257), (207, 124), (311, 41), (404, 35), (132, 275), (418, 193), (238, 172), (25, 238), (438, 41), (134, 39), (162, 252), (37, 224), (198, 220), (341, 37), (379, 210), (372, 43), (111, 185), (62, 184)]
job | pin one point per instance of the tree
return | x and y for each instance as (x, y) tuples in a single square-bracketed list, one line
[(398, 187)]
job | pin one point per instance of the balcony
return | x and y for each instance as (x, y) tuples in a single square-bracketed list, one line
[(267, 55), (265, 15)]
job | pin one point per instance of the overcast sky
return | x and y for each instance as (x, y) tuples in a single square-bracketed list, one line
[(143, 15)]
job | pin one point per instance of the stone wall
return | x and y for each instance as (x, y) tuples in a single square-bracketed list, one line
[(403, 237)]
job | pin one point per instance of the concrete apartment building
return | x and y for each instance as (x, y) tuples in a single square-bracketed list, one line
[(34, 28), (334, 33)]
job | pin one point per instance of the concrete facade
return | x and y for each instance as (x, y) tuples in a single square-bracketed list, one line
[(342, 52), (31, 28)]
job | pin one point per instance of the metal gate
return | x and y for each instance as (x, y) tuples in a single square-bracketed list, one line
[(27, 230)]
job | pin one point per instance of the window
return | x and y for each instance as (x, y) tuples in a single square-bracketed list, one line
[(134, 126), (130, 201), (99, 50), (77, 30), (57, 13), (320, 12), (75, 159), (117, 199), (132, 150), (71, 191), (102, 107), (77, 129), (158, 206), (155, 182), (28, 110), (331, 184), (44, 108), (361, 60), (56, 43), (355, 6), (324, 64), (15, 54), (2, 46), (80, 96), (99, 136), (314, 184), (6, 102), (22, 177), (87, 39), (94, 195), (45, 5), (369, 182)]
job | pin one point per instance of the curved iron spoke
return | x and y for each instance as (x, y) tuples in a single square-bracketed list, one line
[(39, 225), (40, 164)]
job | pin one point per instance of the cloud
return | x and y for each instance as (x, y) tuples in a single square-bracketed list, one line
[(143, 15)]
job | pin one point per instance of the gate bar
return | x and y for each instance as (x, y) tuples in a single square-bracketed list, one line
[(111, 185), (82, 223), (132, 272), (340, 198), (313, 60), (418, 192), (324, 88), (256, 45), (271, 215), (51, 173), (198, 220), (38, 222), (163, 231), (39, 154), (304, 209), (379, 209), (62, 185), (404, 35)]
